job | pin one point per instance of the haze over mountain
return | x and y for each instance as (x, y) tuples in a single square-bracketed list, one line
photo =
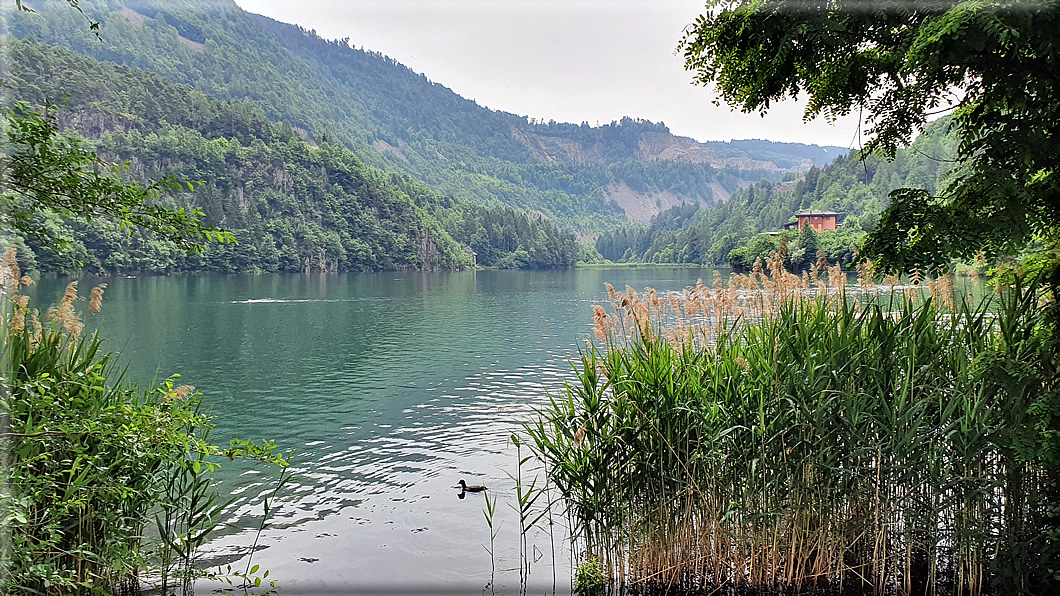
[(330, 92), (586, 60)]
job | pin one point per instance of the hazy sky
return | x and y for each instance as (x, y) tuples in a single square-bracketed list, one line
[(567, 60)]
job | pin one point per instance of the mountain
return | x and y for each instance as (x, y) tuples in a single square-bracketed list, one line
[(855, 188), (291, 206), (588, 178)]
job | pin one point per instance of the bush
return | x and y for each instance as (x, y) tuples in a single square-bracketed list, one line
[(589, 578), (92, 462)]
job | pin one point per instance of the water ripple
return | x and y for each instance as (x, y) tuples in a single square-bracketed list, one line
[(388, 387)]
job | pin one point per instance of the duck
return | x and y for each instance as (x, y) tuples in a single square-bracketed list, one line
[(471, 489)]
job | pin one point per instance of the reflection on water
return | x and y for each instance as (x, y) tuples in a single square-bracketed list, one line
[(389, 388)]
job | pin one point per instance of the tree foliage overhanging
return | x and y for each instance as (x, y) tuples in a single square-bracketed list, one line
[(898, 63), (43, 172)]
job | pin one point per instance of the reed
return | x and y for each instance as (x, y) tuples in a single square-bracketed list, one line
[(529, 517), (490, 511), (777, 434)]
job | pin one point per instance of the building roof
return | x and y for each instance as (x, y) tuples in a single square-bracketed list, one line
[(810, 212)]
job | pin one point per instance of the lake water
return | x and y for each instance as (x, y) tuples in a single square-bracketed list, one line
[(390, 388)]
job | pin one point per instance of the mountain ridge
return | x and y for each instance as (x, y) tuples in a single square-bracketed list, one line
[(395, 118), (290, 206)]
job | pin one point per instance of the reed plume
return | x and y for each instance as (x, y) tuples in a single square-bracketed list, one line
[(63, 314), (178, 393), (95, 298), (10, 273)]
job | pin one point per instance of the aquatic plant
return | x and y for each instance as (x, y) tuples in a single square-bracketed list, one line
[(589, 578), (525, 498), (489, 511), (785, 433)]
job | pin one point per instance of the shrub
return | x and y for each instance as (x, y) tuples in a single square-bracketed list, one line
[(589, 578), (93, 462)]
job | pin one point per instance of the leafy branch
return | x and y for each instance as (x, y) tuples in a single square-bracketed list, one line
[(45, 171)]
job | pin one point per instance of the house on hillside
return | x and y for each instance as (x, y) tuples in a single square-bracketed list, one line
[(819, 220)]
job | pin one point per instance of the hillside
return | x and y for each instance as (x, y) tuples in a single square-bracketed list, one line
[(586, 177), (291, 206), (855, 188)]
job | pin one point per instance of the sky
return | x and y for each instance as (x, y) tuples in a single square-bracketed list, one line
[(565, 60)]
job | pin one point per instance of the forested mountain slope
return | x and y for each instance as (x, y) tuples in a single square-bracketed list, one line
[(855, 188), (292, 206), (392, 117)]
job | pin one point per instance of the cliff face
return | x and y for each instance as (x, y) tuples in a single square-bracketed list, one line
[(650, 146), (642, 206), (656, 145), (554, 149)]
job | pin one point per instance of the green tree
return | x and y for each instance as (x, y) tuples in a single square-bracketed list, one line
[(995, 64), (740, 259), (804, 253), (898, 63), (44, 172)]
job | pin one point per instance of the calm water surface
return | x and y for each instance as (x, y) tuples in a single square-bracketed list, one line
[(390, 388)]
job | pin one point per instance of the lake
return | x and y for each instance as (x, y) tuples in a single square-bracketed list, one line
[(390, 388)]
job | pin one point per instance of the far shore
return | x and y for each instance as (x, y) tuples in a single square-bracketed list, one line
[(643, 266)]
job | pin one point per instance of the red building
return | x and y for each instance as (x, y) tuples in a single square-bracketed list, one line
[(819, 220)]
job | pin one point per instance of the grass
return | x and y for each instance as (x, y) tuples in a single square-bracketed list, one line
[(786, 433)]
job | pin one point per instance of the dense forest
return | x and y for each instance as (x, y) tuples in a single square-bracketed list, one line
[(391, 117), (291, 206), (854, 187)]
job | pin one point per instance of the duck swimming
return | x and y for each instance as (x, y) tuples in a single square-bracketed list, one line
[(471, 489)]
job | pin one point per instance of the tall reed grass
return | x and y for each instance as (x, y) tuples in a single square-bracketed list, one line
[(779, 433)]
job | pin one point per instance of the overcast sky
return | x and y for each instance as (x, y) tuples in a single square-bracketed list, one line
[(567, 60)]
